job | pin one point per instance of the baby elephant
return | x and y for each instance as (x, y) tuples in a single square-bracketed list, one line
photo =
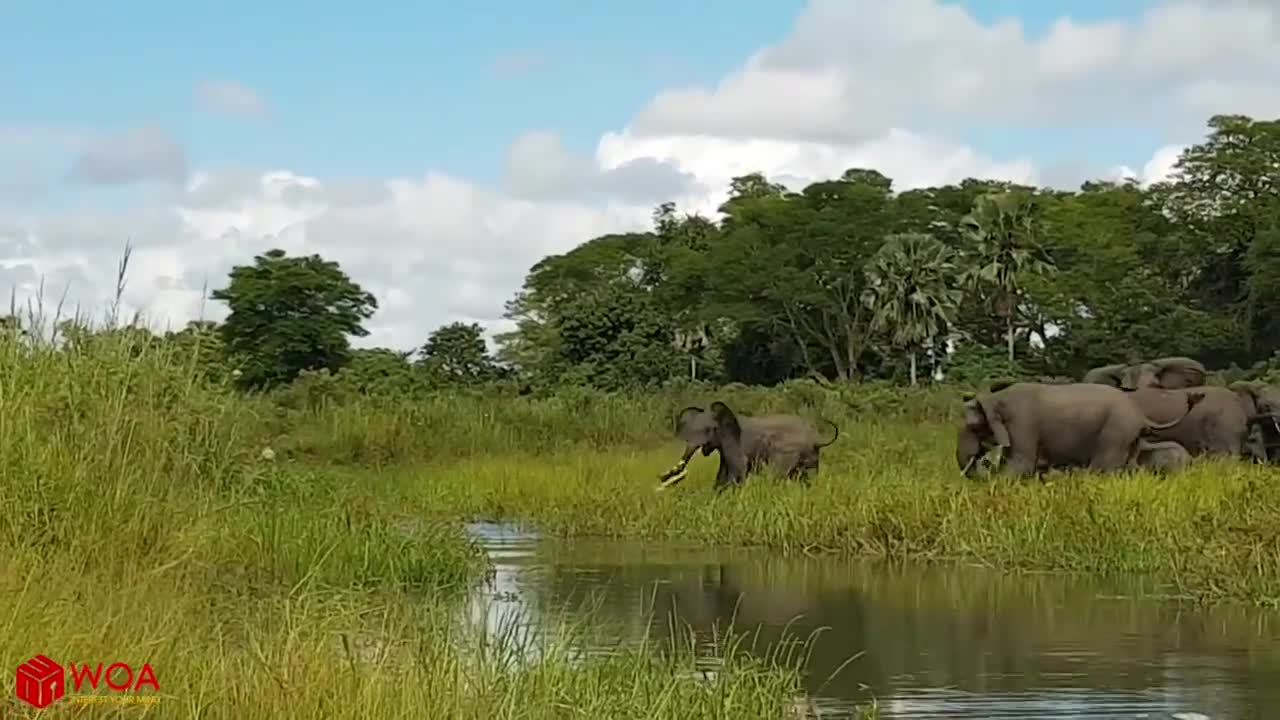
[(786, 443), (1162, 456)]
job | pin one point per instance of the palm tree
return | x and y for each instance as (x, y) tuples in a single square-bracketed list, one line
[(691, 341), (911, 291), (1001, 233)]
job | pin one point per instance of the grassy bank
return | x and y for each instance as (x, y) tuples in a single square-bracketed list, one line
[(585, 463), (139, 523), (892, 489), (315, 420)]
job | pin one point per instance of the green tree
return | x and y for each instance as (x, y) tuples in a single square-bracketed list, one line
[(1224, 197), (1055, 281), (614, 337), (910, 291), (795, 261), (552, 285), (379, 371), (1001, 235), (290, 314), (456, 354)]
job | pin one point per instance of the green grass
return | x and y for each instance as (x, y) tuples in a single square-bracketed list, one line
[(585, 464), (1209, 533), (138, 523)]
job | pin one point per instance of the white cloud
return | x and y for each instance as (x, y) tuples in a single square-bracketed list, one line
[(229, 98), (432, 250), (136, 155), (540, 167), (855, 83), (849, 69), (1158, 168), (517, 63), (910, 159)]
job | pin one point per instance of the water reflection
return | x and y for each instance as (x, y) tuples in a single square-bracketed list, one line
[(937, 642)]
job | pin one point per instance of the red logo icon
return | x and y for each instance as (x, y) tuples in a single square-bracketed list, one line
[(40, 681)]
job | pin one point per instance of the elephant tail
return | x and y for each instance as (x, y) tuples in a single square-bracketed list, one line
[(1193, 399), (833, 437)]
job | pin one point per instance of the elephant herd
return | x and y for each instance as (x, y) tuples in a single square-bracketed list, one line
[(1157, 414)]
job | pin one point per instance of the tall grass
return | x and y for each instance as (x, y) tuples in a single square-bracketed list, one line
[(139, 522), (1209, 533), (317, 420), (585, 463)]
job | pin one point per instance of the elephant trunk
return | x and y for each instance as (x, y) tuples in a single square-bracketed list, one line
[(678, 471), (1193, 399), (968, 451)]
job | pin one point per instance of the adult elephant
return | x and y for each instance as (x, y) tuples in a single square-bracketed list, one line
[(1106, 375), (1217, 425), (1262, 404), (1259, 398), (1077, 425), (1171, 373), (786, 443)]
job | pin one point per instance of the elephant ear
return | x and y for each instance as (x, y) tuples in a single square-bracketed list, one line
[(1105, 375), (1250, 391), (979, 416), (1179, 372), (683, 416), (726, 422), (1139, 375)]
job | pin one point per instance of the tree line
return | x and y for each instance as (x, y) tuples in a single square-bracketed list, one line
[(847, 279), (844, 280)]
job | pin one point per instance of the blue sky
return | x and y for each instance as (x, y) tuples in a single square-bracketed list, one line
[(396, 88), (378, 91)]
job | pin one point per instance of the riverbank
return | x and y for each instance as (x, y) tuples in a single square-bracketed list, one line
[(586, 463), (143, 524), (1207, 534)]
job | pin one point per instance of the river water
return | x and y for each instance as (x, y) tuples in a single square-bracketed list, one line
[(926, 641)]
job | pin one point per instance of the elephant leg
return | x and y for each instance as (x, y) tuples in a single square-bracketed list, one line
[(1222, 436), (725, 476), (806, 466), (784, 463), (1112, 451), (1022, 456), (1255, 445)]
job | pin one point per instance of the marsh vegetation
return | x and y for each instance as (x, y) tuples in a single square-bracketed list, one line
[(273, 519)]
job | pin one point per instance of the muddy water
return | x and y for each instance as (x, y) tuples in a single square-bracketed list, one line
[(925, 641)]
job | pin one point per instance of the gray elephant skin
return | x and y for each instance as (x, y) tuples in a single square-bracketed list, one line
[(788, 444), (1263, 442), (1162, 456), (1218, 425), (1076, 425), (1171, 373), (1262, 403)]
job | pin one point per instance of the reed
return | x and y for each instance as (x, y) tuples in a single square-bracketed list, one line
[(141, 522), (893, 491)]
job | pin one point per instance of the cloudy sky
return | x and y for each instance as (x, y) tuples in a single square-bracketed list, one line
[(436, 150)]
